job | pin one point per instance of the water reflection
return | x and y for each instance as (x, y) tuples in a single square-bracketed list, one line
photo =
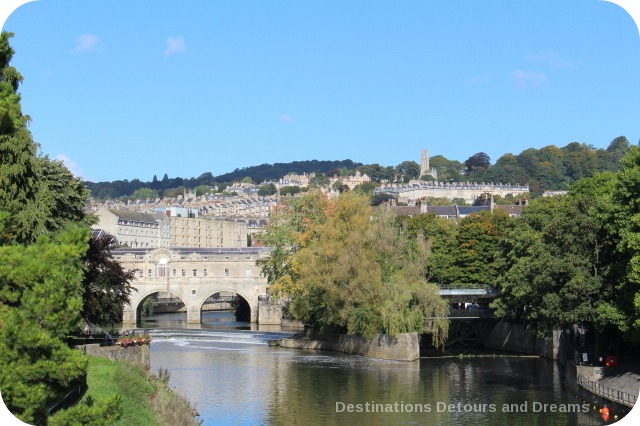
[(234, 377)]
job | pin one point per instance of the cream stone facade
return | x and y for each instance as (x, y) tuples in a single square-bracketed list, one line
[(351, 181), (133, 229), (144, 230), (206, 232), (193, 275), (413, 191)]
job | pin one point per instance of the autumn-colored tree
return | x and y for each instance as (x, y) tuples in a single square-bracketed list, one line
[(355, 272)]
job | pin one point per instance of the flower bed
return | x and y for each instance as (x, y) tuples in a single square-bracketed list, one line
[(133, 341)]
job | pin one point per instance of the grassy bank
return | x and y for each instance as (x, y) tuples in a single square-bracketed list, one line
[(145, 400)]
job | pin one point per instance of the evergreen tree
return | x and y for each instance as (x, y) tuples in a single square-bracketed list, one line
[(17, 149)]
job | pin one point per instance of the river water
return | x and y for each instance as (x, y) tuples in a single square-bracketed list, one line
[(233, 377)]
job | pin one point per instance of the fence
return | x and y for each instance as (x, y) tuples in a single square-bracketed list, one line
[(608, 393)]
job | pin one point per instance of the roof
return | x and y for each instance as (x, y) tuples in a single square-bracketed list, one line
[(467, 210), (134, 216), (515, 210), (442, 210)]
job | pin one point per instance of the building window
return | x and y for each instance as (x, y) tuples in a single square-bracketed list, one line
[(184, 272), (174, 273), (226, 272), (149, 272), (195, 272), (141, 273), (205, 272), (247, 272)]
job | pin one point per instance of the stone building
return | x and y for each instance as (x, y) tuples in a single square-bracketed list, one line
[(174, 228), (133, 229), (425, 169), (205, 232), (351, 181), (414, 191)]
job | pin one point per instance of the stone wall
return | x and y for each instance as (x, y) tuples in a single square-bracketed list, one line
[(514, 337), (134, 354), (269, 313), (404, 347)]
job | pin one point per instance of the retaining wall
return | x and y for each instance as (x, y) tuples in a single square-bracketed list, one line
[(514, 337), (135, 354), (403, 347)]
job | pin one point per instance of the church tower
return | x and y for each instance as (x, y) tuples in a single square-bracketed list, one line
[(424, 163)]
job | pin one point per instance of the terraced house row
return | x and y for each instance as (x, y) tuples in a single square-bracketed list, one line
[(175, 227)]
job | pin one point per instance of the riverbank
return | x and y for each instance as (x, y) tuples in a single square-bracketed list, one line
[(146, 399)]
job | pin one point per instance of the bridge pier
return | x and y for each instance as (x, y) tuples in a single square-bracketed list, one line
[(194, 315), (129, 316)]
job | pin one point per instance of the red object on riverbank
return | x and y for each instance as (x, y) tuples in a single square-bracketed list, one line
[(611, 361)]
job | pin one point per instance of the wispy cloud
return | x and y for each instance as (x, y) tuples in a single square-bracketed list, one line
[(479, 79), (287, 118), (87, 43), (525, 79), (71, 165), (550, 58), (174, 46)]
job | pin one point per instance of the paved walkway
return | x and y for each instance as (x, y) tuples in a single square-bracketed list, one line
[(625, 377)]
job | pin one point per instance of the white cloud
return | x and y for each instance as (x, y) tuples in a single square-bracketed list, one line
[(551, 59), (287, 118), (87, 43), (524, 79), (174, 46), (71, 165)]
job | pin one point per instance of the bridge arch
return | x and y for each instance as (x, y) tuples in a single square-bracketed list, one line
[(244, 312), (193, 275)]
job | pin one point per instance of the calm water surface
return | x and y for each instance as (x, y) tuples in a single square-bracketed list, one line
[(233, 377)]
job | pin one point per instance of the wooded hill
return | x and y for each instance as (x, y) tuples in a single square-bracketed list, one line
[(547, 168)]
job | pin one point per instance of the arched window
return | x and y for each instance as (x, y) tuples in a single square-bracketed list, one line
[(163, 268)]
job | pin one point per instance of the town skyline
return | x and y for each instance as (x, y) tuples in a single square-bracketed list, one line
[(176, 88)]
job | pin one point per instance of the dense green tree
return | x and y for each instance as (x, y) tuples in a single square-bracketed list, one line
[(366, 188), (290, 190), (266, 190), (43, 239), (440, 236), (448, 170), (144, 194), (361, 276), (40, 287), (551, 263), (477, 247), (626, 217), (202, 190), (408, 170), (18, 166), (106, 286), (477, 164), (289, 230)]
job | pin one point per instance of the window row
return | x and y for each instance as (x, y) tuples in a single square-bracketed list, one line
[(162, 271)]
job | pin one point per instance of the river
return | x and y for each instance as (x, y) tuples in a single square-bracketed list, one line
[(233, 377)]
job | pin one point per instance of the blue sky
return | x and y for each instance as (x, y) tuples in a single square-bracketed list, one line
[(132, 89)]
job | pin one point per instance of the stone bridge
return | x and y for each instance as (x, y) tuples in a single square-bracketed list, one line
[(193, 275)]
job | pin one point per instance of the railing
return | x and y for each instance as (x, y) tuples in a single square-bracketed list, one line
[(608, 393)]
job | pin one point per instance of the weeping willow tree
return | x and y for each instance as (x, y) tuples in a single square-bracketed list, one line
[(355, 272)]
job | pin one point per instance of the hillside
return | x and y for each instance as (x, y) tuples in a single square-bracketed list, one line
[(547, 168)]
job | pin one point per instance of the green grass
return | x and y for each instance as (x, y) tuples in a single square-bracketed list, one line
[(106, 378), (145, 399)]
